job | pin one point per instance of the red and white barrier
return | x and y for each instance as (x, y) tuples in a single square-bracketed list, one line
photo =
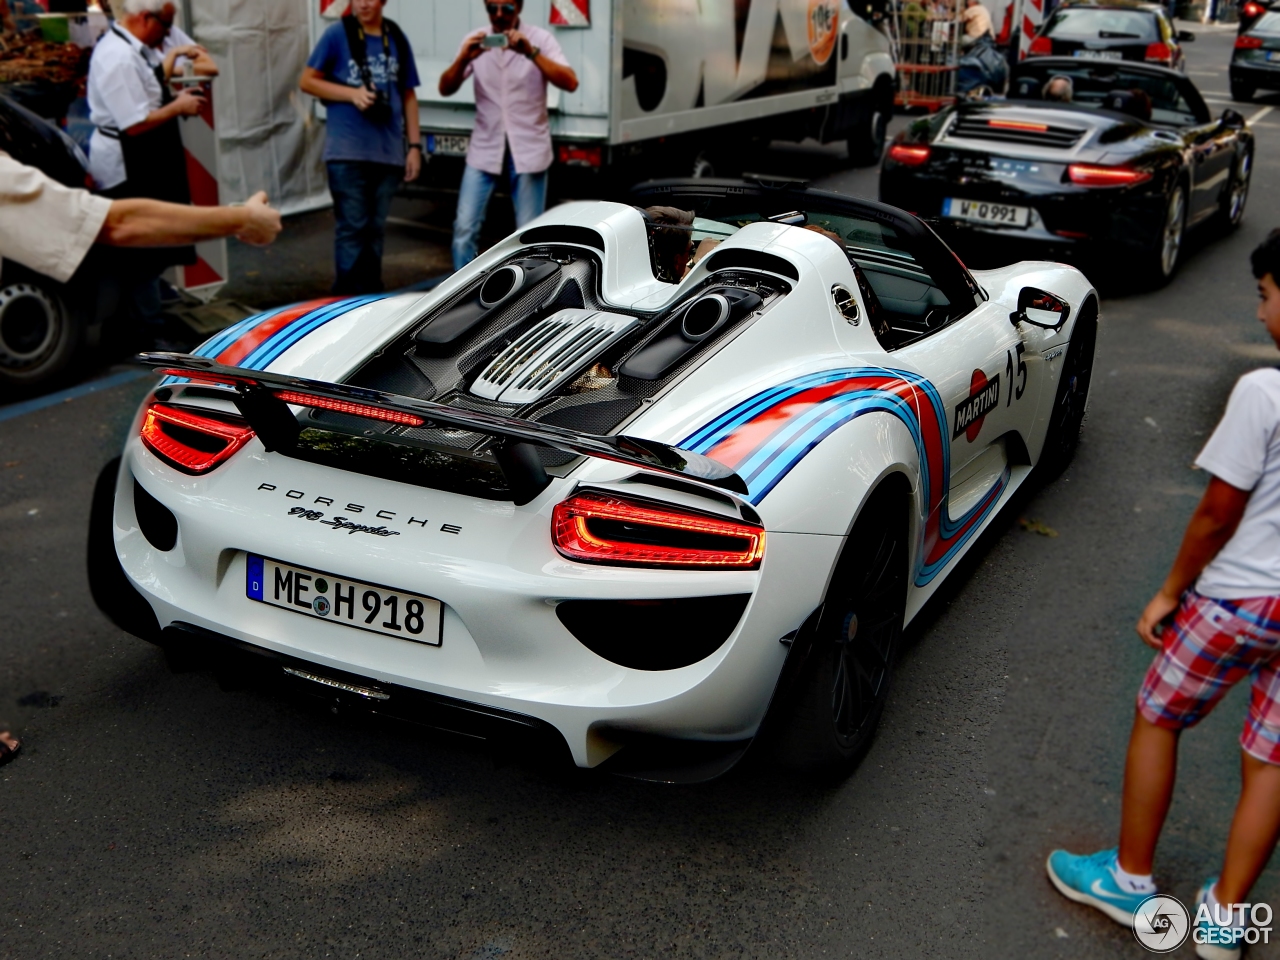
[(334, 9), (1032, 18), (570, 13), (199, 136)]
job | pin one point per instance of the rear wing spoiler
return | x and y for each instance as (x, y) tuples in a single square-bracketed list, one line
[(264, 400)]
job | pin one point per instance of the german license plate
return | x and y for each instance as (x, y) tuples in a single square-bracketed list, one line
[(1273, 55), (448, 145), (1099, 54), (352, 603), (981, 211)]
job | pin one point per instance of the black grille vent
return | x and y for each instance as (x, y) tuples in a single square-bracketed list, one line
[(986, 127)]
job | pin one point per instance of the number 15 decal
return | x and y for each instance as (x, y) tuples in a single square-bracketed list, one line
[(1021, 378)]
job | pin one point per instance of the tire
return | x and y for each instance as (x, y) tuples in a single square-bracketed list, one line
[(1165, 253), (867, 142), (842, 690), (1236, 197), (1069, 403), (703, 168), (1243, 92), (112, 590), (40, 336)]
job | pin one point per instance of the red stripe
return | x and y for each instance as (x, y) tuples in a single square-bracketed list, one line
[(204, 188), (263, 331), (200, 275)]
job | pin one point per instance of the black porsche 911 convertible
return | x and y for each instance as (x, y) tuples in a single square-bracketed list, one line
[(1085, 159)]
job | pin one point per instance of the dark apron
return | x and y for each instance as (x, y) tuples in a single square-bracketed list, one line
[(155, 165)]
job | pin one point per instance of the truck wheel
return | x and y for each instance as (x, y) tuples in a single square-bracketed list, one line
[(703, 168), (39, 335), (867, 142), (845, 683)]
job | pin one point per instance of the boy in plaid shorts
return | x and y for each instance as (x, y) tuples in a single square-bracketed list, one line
[(1215, 622)]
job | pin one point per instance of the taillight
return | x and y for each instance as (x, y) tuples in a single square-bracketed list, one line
[(602, 528), (1159, 53), (1088, 175), (580, 154), (1040, 47), (1252, 10), (910, 154), (1019, 125), (368, 411), (194, 441), (1248, 43)]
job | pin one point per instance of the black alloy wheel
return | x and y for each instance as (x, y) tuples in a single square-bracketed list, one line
[(1165, 253), (842, 691), (1072, 397), (867, 142), (1237, 194)]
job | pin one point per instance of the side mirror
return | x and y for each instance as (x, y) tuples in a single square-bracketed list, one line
[(1233, 119), (1186, 36), (1040, 309)]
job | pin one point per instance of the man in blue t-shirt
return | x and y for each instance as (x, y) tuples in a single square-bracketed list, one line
[(373, 139)]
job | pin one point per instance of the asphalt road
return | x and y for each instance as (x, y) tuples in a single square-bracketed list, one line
[(156, 815)]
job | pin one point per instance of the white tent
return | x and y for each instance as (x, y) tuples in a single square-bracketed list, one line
[(267, 134)]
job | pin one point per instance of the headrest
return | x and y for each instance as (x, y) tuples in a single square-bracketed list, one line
[(1135, 103)]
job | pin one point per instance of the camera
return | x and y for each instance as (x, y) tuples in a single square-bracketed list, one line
[(498, 40), (379, 112)]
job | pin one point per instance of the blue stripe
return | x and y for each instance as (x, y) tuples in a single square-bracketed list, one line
[(929, 571), (284, 338)]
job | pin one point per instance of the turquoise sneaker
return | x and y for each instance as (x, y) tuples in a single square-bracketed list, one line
[(1088, 879), (1213, 940)]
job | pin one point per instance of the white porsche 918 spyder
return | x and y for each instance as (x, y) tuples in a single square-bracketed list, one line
[(640, 483)]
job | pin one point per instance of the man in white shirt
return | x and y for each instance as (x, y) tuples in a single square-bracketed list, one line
[(1216, 622), (136, 150)]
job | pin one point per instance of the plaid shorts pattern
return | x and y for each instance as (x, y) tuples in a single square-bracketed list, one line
[(1210, 647)]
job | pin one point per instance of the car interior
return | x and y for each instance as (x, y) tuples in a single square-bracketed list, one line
[(1150, 97)]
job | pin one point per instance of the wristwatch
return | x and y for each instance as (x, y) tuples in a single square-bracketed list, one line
[(416, 146), (533, 53)]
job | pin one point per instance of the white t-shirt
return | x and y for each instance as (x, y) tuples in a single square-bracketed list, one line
[(123, 90), (1244, 451)]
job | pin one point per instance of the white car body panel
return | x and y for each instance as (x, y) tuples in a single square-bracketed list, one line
[(499, 576)]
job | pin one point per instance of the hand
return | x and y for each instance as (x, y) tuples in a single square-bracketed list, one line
[(518, 42), (412, 165), (362, 98), (472, 49), (263, 224), (1161, 607), (189, 103)]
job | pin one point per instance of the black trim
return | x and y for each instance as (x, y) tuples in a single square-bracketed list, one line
[(555, 233), (112, 590), (474, 720), (752, 260)]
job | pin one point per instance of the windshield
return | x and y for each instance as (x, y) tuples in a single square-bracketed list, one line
[(1105, 24), (678, 239), (1173, 100), (1268, 25)]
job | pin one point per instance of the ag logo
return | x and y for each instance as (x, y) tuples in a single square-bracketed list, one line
[(1161, 923), (984, 396), (824, 25)]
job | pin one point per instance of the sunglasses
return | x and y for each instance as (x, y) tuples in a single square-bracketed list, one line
[(497, 8), (167, 24)]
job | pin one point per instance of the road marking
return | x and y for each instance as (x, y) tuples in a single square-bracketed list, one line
[(1259, 115), (15, 410)]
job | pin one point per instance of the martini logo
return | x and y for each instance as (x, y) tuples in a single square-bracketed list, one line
[(824, 24), (984, 396)]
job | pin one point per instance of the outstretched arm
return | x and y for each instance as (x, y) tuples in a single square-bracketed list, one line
[(151, 223)]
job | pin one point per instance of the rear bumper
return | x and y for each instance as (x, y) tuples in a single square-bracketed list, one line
[(1067, 220), (1256, 74), (505, 653)]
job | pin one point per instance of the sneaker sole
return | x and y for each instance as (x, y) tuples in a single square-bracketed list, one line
[(1122, 917)]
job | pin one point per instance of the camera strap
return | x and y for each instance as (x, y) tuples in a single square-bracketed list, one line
[(357, 40)]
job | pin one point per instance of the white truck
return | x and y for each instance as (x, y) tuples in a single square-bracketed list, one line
[(670, 86)]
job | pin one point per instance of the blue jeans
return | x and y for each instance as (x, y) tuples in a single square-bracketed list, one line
[(528, 193), (362, 194)]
